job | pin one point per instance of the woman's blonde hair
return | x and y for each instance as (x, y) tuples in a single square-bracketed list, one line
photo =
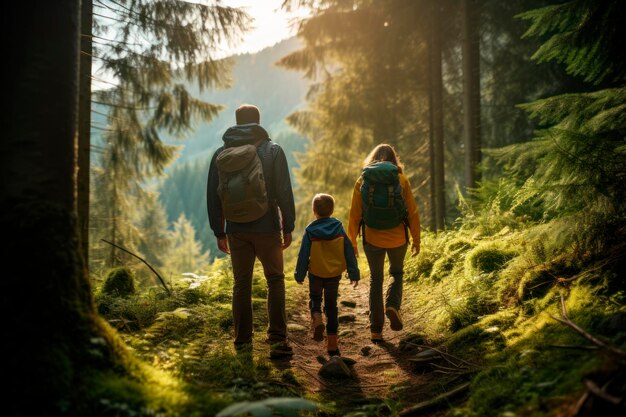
[(384, 152)]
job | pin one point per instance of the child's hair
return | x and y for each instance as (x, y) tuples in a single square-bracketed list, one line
[(323, 204), (384, 152)]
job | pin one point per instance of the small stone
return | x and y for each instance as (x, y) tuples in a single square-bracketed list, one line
[(294, 327), (346, 318), (348, 361), (348, 303), (427, 353), (365, 350), (335, 368), (321, 359), (347, 333)]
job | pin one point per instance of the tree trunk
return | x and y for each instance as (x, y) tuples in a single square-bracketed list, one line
[(431, 156), (436, 103), (47, 308), (471, 90), (84, 129)]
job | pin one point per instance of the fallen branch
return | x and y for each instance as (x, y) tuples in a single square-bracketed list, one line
[(600, 393), (446, 356), (580, 347), (566, 320), (142, 260), (417, 408)]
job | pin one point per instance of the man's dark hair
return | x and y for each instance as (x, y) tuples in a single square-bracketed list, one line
[(323, 204), (247, 113)]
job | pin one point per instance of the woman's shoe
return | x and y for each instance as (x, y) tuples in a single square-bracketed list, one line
[(395, 319)]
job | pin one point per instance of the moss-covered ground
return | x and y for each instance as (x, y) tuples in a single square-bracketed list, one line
[(487, 297)]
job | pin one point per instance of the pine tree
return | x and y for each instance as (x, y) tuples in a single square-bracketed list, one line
[(152, 50), (576, 163), (186, 254), (155, 241), (370, 89), (50, 343)]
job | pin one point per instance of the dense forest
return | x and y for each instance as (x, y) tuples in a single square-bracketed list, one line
[(508, 117)]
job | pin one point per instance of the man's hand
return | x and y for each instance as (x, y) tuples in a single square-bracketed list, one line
[(286, 240), (415, 249), (222, 244), (354, 284), (356, 251)]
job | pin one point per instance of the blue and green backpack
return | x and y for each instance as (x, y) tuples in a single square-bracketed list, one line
[(383, 205)]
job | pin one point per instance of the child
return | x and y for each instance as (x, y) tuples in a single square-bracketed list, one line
[(326, 252)]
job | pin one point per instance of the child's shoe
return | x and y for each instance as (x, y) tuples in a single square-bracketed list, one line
[(395, 319), (317, 325), (377, 338), (331, 343)]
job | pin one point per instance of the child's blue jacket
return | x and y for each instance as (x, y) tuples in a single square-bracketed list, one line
[(326, 251)]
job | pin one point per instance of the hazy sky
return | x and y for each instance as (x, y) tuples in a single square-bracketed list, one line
[(271, 24)]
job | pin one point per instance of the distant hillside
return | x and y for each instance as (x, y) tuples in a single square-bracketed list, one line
[(256, 80)]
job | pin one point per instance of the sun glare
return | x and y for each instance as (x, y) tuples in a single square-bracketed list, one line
[(271, 24)]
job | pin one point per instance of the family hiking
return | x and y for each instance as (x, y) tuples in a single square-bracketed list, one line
[(252, 214)]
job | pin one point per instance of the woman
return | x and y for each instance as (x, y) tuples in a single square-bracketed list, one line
[(382, 242)]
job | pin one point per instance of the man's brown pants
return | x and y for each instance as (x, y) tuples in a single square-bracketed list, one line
[(244, 249)]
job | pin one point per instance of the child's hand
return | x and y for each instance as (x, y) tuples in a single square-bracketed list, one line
[(354, 284)]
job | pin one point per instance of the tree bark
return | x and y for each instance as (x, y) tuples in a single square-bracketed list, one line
[(84, 128), (471, 90), (436, 109), (47, 305)]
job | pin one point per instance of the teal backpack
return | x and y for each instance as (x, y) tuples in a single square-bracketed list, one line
[(383, 205)]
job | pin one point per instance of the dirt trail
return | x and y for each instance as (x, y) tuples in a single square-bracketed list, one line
[(382, 373)]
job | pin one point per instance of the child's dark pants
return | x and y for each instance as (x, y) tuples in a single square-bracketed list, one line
[(326, 288)]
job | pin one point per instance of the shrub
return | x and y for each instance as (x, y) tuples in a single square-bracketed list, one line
[(119, 282), (487, 258)]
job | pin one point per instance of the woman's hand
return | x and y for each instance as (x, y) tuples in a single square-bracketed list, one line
[(415, 249)]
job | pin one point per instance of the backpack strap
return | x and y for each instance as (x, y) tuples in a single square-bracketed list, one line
[(266, 162), (268, 167), (363, 232)]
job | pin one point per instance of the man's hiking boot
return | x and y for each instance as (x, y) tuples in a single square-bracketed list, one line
[(395, 319), (280, 350), (317, 325), (377, 338), (331, 344)]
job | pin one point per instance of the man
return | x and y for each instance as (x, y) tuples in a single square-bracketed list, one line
[(264, 238)]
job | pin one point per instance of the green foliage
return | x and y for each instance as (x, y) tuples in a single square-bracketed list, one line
[(528, 374), (119, 282), (286, 407), (583, 35), (487, 258)]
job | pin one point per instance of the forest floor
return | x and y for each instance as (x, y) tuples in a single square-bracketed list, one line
[(382, 375)]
